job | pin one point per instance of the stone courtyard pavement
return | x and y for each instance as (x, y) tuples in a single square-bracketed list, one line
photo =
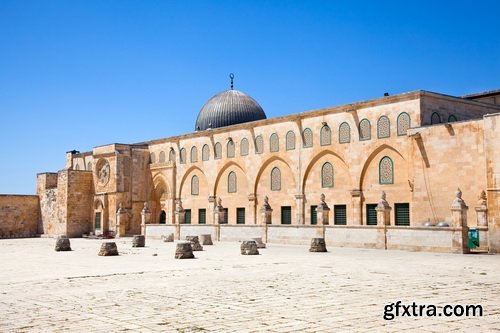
[(284, 289)]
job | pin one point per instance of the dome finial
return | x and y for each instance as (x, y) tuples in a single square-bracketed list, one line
[(231, 76)]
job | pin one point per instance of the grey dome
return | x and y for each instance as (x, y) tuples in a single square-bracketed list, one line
[(227, 108)]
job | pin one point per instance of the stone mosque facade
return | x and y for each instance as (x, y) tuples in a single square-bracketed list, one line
[(412, 171)]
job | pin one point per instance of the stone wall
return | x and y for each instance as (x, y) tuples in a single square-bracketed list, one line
[(79, 203), (19, 215)]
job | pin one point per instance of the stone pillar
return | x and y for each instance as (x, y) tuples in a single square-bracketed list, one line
[(482, 210), (121, 221), (220, 213), (356, 208), (145, 218), (300, 204), (252, 208), (211, 209), (383, 211), (459, 218), (323, 212), (180, 218), (266, 212)]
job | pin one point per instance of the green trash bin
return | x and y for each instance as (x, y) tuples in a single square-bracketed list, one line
[(473, 238)]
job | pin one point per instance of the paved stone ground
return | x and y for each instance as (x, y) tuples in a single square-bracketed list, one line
[(285, 289)]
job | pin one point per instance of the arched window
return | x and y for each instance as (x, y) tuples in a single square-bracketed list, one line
[(259, 145), (290, 140), (182, 157), (452, 118), (365, 130), (205, 153), (325, 135), (275, 179), (161, 157), (403, 123), (274, 143), (308, 138), (230, 149), (89, 166), (244, 147), (383, 127), (231, 182), (218, 151), (77, 167), (152, 158), (194, 154), (435, 118), (171, 155), (386, 171), (327, 175), (195, 185), (344, 133)]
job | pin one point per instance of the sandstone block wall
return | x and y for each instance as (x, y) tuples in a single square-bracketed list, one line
[(19, 215)]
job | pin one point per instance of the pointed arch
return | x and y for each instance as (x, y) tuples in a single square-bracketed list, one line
[(274, 143), (265, 164), (221, 172), (194, 154), (320, 155), (187, 174), (344, 133), (371, 157), (205, 153), (230, 149), (290, 140), (244, 147), (383, 127), (327, 177), (403, 123)]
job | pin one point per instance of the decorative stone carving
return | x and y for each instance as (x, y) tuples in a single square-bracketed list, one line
[(180, 213), (168, 238), (323, 211), (63, 244), (108, 249), (220, 212), (458, 202), (318, 245), (138, 241), (195, 243), (266, 212), (482, 210), (206, 239), (103, 172), (249, 247), (183, 250), (259, 242)]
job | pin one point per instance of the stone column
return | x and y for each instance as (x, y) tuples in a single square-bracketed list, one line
[(145, 218), (120, 221), (252, 208), (459, 218), (180, 218), (323, 212), (482, 210), (383, 211), (356, 208), (211, 209), (300, 203)]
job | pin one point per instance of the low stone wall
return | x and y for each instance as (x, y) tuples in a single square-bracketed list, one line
[(155, 231), (432, 239), (19, 215), (231, 232), (293, 234), (354, 236), (197, 230)]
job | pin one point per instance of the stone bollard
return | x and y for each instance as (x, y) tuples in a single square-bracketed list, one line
[(184, 250), (108, 249), (167, 239), (318, 245), (63, 244), (206, 239), (259, 242), (195, 243), (249, 247), (138, 241)]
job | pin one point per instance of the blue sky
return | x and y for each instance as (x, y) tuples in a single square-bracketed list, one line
[(79, 74)]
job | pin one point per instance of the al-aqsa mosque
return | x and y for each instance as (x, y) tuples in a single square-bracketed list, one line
[(414, 171)]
